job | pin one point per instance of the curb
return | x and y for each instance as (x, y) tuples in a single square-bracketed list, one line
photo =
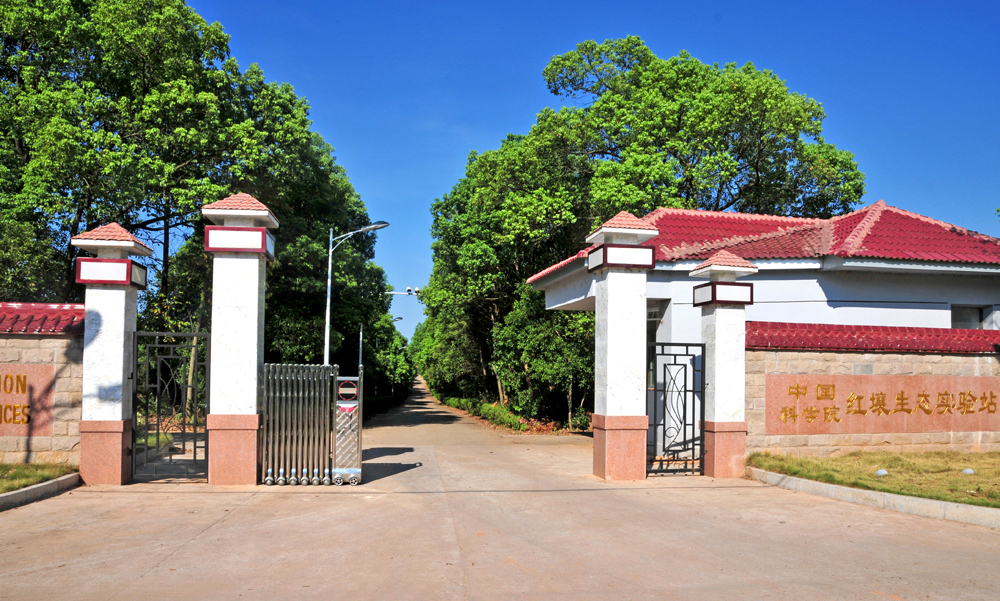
[(928, 508), (37, 492)]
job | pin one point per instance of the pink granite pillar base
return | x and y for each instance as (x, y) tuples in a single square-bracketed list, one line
[(232, 448), (725, 449), (620, 446), (105, 451)]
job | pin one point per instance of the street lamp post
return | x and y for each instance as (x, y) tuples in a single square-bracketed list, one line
[(329, 278)]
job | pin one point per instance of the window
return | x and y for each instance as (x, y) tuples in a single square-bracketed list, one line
[(967, 318)]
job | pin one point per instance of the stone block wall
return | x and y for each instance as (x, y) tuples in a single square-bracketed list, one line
[(65, 354), (762, 363)]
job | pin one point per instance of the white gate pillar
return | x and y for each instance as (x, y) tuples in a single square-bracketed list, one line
[(113, 281), (241, 246), (723, 330), (620, 421)]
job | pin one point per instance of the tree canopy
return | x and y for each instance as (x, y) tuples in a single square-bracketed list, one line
[(134, 111), (642, 133)]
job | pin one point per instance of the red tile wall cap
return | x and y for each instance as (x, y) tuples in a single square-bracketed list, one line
[(238, 202), (41, 318), (724, 258), (110, 232), (830, 337)]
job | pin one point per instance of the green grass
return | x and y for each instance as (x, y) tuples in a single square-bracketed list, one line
[(496, 414), (19, 475), (150, 440), (935, 475)]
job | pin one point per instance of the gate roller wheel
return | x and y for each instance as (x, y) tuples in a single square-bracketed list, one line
[(354, 480), (338, 480)]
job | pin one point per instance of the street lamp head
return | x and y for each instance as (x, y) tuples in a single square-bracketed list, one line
[(397, 319), (375, 226)]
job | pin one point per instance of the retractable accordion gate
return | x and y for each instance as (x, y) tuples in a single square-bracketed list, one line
[(311, 434)]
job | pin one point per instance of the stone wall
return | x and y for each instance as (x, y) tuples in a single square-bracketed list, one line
[(65, 354), (983, 367)]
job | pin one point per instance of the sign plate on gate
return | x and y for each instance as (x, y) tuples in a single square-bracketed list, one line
[(347, 389), (348, 407)]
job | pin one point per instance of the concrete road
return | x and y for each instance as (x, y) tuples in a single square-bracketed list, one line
[(454, 510)]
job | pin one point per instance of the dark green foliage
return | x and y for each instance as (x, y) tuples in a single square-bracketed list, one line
[(133, 111)]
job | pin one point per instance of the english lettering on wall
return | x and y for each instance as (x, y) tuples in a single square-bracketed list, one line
[(26, 393)]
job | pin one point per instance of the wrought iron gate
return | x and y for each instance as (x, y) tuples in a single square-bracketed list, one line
[(169, 404), (675, 406)]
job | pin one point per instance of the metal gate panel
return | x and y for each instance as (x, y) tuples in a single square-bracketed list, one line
[(297, 441), (676, 407), (349, 408)]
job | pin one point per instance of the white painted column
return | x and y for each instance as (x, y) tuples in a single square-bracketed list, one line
[(723, 329), (107, 352), (620, 263), (237, 332), (241, 246), (110, 305), (620, 343)]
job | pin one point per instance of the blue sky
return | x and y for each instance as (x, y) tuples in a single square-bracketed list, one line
[(404, 90)]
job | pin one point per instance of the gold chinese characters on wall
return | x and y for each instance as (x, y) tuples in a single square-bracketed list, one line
[(860, 404)]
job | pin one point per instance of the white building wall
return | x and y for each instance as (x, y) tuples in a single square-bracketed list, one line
[(837, 297)]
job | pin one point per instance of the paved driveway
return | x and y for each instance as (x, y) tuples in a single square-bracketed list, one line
[(454, 510)]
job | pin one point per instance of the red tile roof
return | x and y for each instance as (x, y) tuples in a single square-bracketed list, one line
[(238, 202), (825, 337), (578, 256), (878, 231), (724, 258), (111, 232), (40, 318)]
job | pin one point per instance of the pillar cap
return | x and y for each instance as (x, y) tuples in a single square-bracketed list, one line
[(623, 223), (724, 262), (111, 236), (240, 206)]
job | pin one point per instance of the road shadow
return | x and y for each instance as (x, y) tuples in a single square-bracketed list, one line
[(377, 471), (376, 452)]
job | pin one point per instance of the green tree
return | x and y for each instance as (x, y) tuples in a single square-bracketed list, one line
[(133, 111), (678, 132)]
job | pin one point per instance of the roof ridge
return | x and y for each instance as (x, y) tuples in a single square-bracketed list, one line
[(853, 241), (658, 213), (725, 243)]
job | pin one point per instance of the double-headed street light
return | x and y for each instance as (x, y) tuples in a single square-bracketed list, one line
[(329, 277)]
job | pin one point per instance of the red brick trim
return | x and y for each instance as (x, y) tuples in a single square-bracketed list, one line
[(708, 426), (94, 425), (829, 337), (620, 422), (217, 421)]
